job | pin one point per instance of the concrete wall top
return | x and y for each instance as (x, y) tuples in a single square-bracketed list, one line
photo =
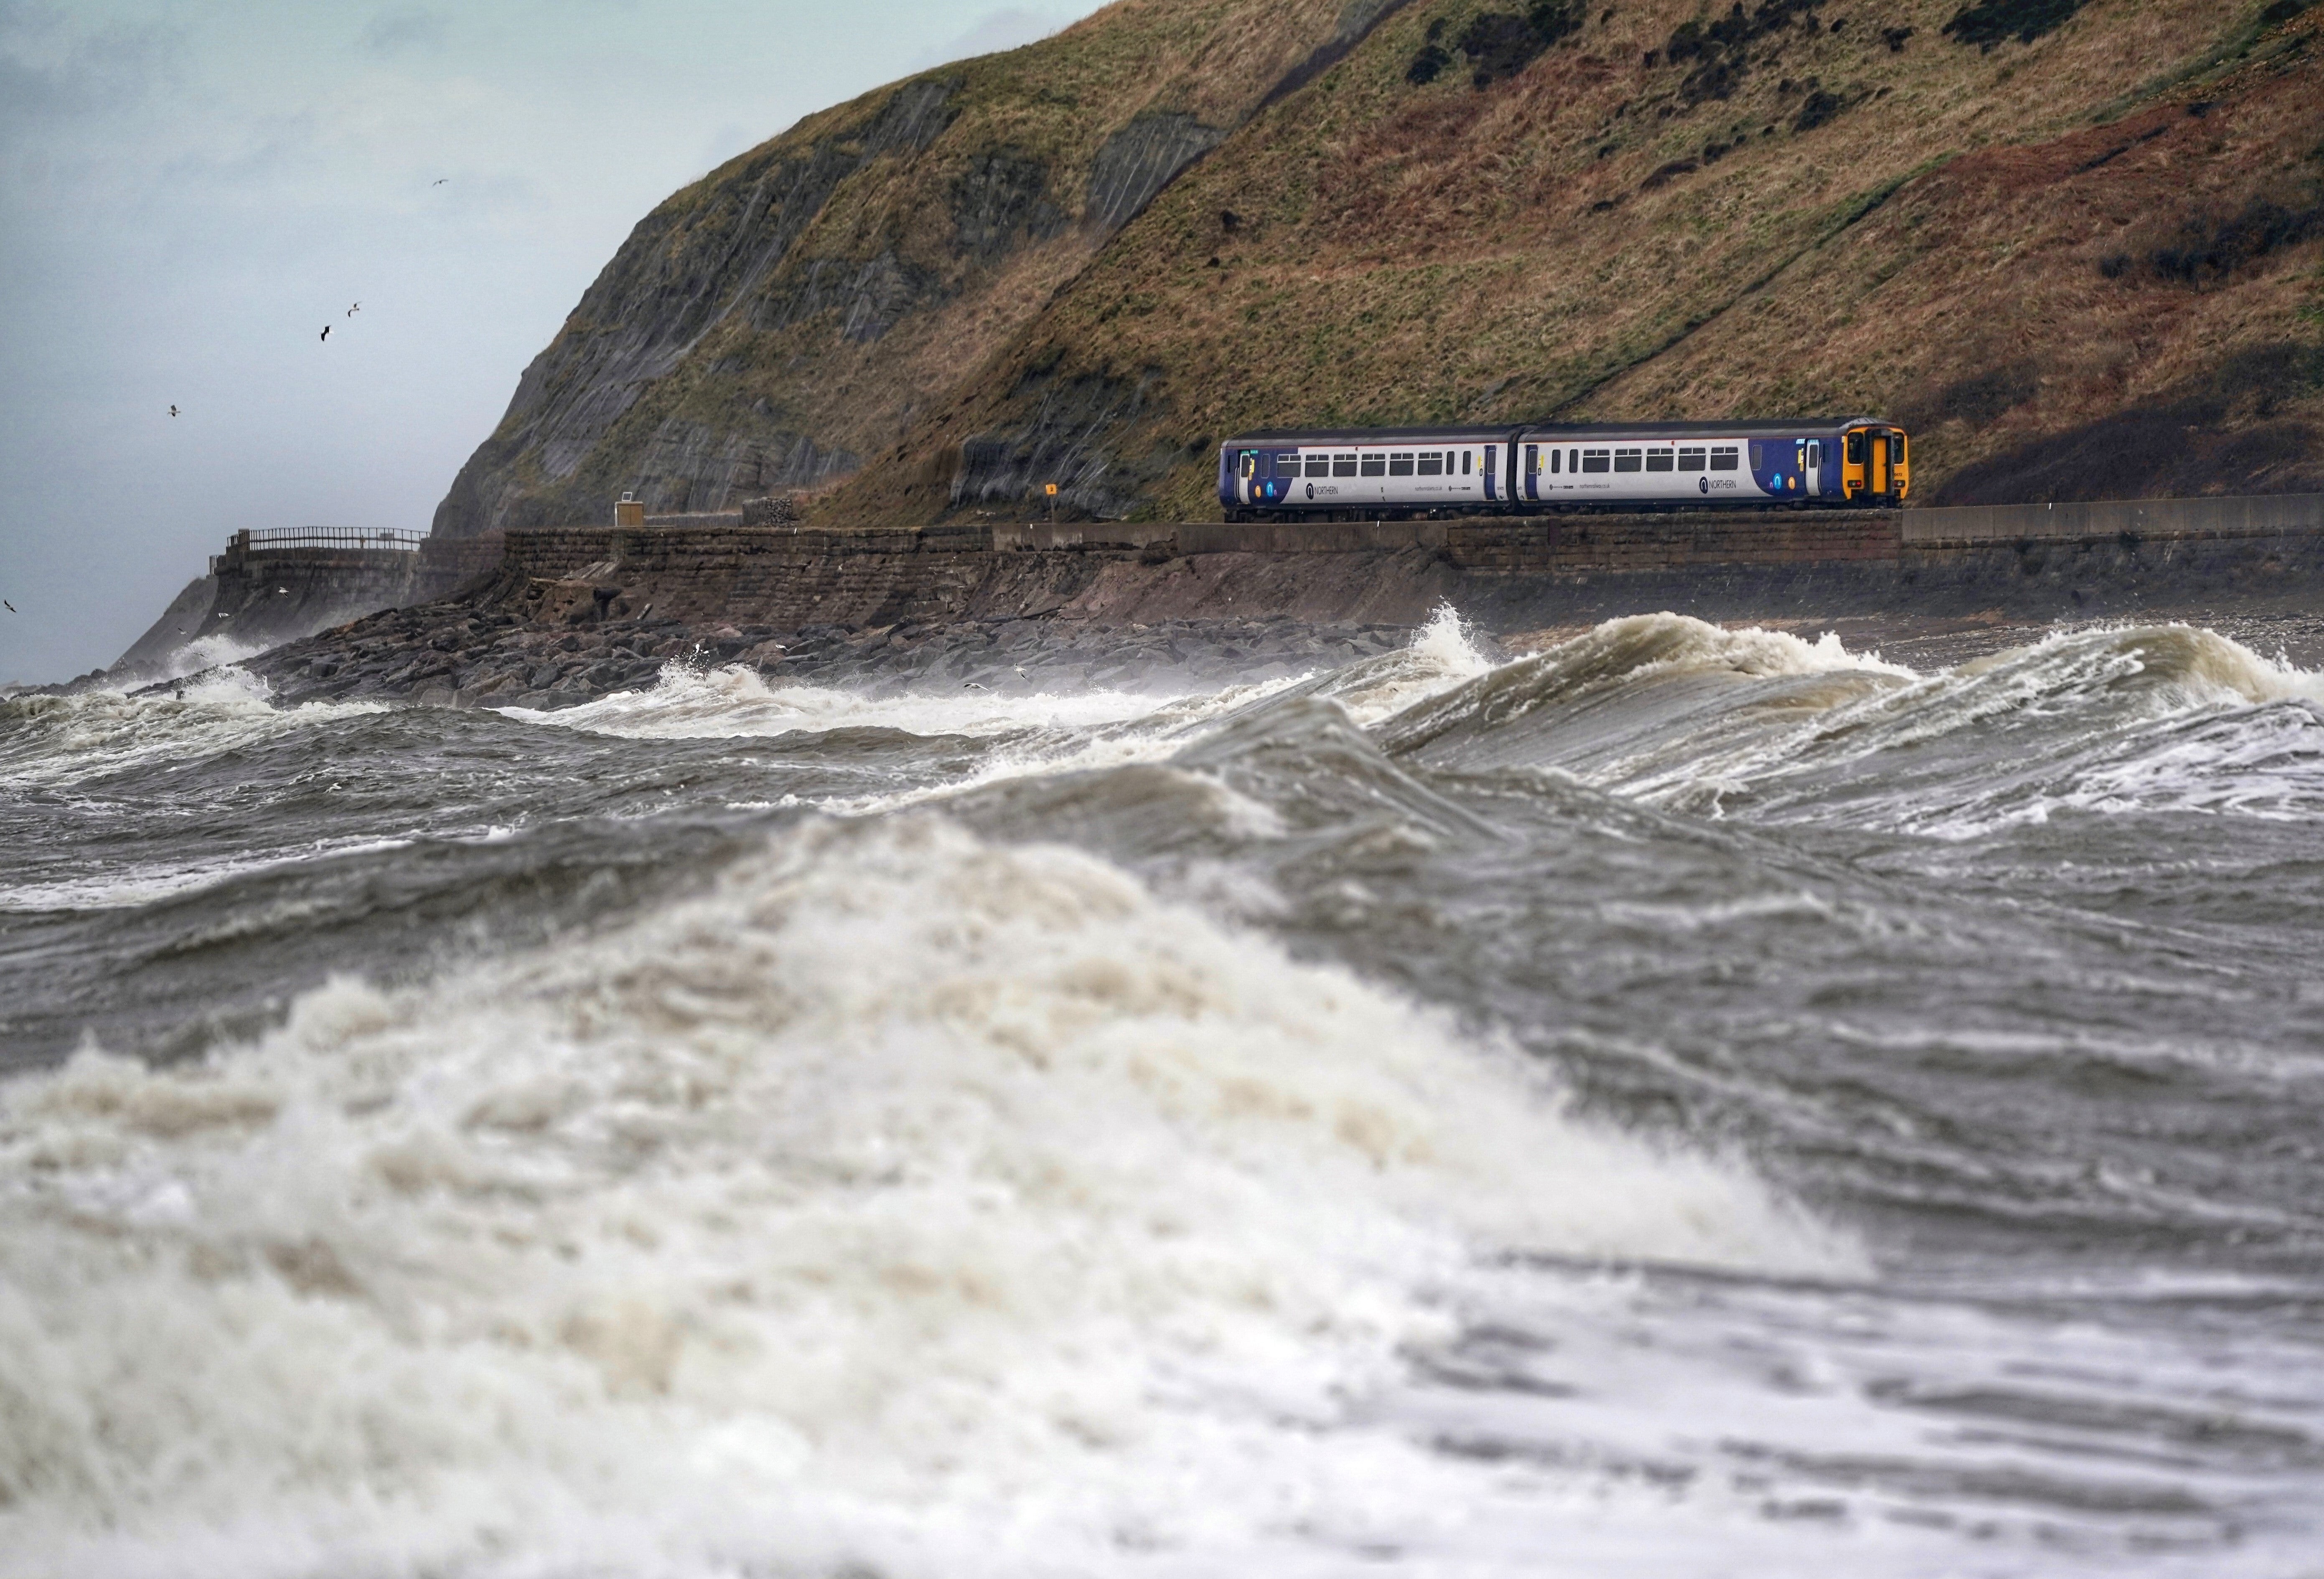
[(2239, 515)]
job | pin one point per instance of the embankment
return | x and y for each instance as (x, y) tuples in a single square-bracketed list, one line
[(571, 613), (2032, 561)]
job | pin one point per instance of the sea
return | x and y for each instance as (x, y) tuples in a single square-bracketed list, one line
[(1675, 1101)]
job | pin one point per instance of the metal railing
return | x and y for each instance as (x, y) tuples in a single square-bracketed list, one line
[(279, 539)]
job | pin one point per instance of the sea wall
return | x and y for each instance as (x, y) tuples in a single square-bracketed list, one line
[(2250, 515), (2033, 561), (257, 598), (266, 597)]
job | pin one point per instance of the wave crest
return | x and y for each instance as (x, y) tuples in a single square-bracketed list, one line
[(899, 1174)]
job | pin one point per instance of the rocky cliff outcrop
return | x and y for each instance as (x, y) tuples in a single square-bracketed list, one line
[(805, 304)]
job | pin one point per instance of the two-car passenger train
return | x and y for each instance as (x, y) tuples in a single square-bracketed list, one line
[(1366, 474)]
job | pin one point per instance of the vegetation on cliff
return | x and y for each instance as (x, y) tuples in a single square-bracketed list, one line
[(799, 308), (2075, 246)]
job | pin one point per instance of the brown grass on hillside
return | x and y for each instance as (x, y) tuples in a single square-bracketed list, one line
[(1873, 218)]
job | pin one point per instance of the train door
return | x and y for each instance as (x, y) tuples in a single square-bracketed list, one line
[(1812, 465), (1492, 454), (1532, 471), (1865, 469), (1246, 469)]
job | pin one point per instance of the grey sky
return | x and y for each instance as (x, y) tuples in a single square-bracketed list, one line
[(190, 191)]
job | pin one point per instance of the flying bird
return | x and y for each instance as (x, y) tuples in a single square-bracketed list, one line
[(439, 180), (326, 334), (354, 309), (5, 603), (173, 410)]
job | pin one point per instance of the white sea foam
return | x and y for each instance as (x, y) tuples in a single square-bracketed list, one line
[(727, 703), (1044, 733), (951, 1209), (49, 741), (207, 652), (1441, 656), (2107, 720)]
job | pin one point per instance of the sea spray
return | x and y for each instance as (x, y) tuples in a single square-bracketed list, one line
[(898, 1176)]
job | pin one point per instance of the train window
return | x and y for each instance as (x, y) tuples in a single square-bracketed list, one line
[(1815, 454), (1856, 448), (1689, 460), (1658, 460), (1431, 463), (1724, 458), (1758, 455), (1343, 466), (1597, 460), (1286, 465), (1625, 460), (1895, 449), (1467, 457), (1399, 465), (1250, 462), (1375, 466), (1319, 465), (1555, 457)]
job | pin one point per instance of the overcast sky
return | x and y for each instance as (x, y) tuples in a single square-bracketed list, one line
[(190, 189)]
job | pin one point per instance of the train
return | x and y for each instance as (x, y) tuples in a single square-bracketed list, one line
[(1399, 473)]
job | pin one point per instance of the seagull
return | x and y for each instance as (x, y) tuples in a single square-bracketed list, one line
[(326, 334), (5, 603), (173, 410), (439, 180), (972, 685), (354, 309)]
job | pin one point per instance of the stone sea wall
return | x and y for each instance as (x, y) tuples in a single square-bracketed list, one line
[(571, 613), (1545, 569)]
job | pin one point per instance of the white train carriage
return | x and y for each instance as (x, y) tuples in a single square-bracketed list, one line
[(1364, 474)]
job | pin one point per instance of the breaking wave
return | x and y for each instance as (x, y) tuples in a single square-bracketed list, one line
[(53, 741), (902, 1187), (690, 702), (205, 653), (1680, 714)]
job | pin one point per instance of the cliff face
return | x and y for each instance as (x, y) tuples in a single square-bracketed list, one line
[(2080, 263), (2075, 245), (798, 307)]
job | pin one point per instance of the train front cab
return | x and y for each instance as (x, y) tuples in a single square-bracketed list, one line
[(1876, 464)]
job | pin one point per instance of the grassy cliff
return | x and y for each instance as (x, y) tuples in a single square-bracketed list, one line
[(801, 305), (2076, 245)]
